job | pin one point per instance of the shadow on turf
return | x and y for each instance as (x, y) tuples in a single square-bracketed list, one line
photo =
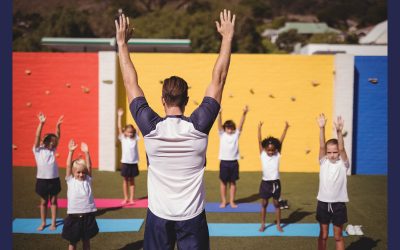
[(364, 243), (133, 246), (295, 216), (102, 211), (250, 198)]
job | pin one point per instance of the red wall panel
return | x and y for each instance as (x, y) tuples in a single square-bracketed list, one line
[(55, 86)]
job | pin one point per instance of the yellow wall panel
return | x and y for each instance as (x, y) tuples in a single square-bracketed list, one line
[(277, 88)]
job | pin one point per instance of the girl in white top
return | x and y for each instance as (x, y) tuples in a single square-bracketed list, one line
[(129, 159), (332, 193), (80, 223), (229, 156), (270, 185), (47, 179)]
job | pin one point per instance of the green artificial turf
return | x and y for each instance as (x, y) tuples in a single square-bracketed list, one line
[(367, 207)]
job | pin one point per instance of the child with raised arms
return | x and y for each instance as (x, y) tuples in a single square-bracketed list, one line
[(229, 156), (80, 224), (47, 178), (332, 193), (129, 158), (270, 187)]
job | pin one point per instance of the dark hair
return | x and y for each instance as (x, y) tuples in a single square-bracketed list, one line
[(175, 91), (331, 142), (272, 140), (132, 127), (229, 124), (47, 139)]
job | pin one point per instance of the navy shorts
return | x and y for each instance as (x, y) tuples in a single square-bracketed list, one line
[(48, 187), (229, 171), (270, 189), (79, 227), (129, 170), (187, 234), (335, 212)]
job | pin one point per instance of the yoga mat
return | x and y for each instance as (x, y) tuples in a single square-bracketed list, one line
[(213, 207), (251, 230), (29, 225), (107, 203)]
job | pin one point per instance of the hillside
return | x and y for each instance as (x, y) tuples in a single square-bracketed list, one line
[(185, 19)]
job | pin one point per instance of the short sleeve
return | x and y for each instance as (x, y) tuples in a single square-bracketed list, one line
[(144, 116), (204, 116), (120, 137)]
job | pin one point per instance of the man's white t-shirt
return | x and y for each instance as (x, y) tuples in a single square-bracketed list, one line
[(333, 181), (229, 146), (176, 149), (270, 166), (80, 196), (129, 146), (47, 167)]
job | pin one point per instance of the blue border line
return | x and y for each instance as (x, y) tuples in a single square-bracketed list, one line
[(6, 120), (394, 124)]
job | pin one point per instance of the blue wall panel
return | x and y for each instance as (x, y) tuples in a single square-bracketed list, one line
[(370, 116)]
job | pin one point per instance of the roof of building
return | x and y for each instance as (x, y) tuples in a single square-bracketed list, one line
[(377, 35), (109, 44), (308, 28)]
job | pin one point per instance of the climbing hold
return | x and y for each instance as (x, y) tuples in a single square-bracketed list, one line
[(68, 85), (230, 95), (271, 96), (28, 72), (108, 81), (252, 91), (29, 104), (315, 83), (85, 90), (14, 147), (47, 92), (195, 103), (293, 98), (308, 151), (373, 80)]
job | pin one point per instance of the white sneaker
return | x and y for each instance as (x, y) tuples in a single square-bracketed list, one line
[(357, 229), (350, 229)]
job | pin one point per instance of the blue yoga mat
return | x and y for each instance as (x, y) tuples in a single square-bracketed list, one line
[(213, 207), (29, 225), (251, 229)]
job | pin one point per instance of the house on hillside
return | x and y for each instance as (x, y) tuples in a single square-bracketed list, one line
[(377, 35), (302, 28)]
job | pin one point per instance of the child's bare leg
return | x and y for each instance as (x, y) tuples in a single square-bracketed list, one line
[(223, 194), (232, 194), (338, 234), (278, 215), (323, 236), (264, 204), (125, 190), (53, 202), (71, 247), (132, 190), (43, 213), (86, 244)]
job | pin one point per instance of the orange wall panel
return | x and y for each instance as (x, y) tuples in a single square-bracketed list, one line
[(54, 83)]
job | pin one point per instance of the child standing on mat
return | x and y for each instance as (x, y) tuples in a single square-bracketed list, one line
[(47, 179), (332, 193), (270, 153), (80, 224), (129, 159), (229, 156)]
